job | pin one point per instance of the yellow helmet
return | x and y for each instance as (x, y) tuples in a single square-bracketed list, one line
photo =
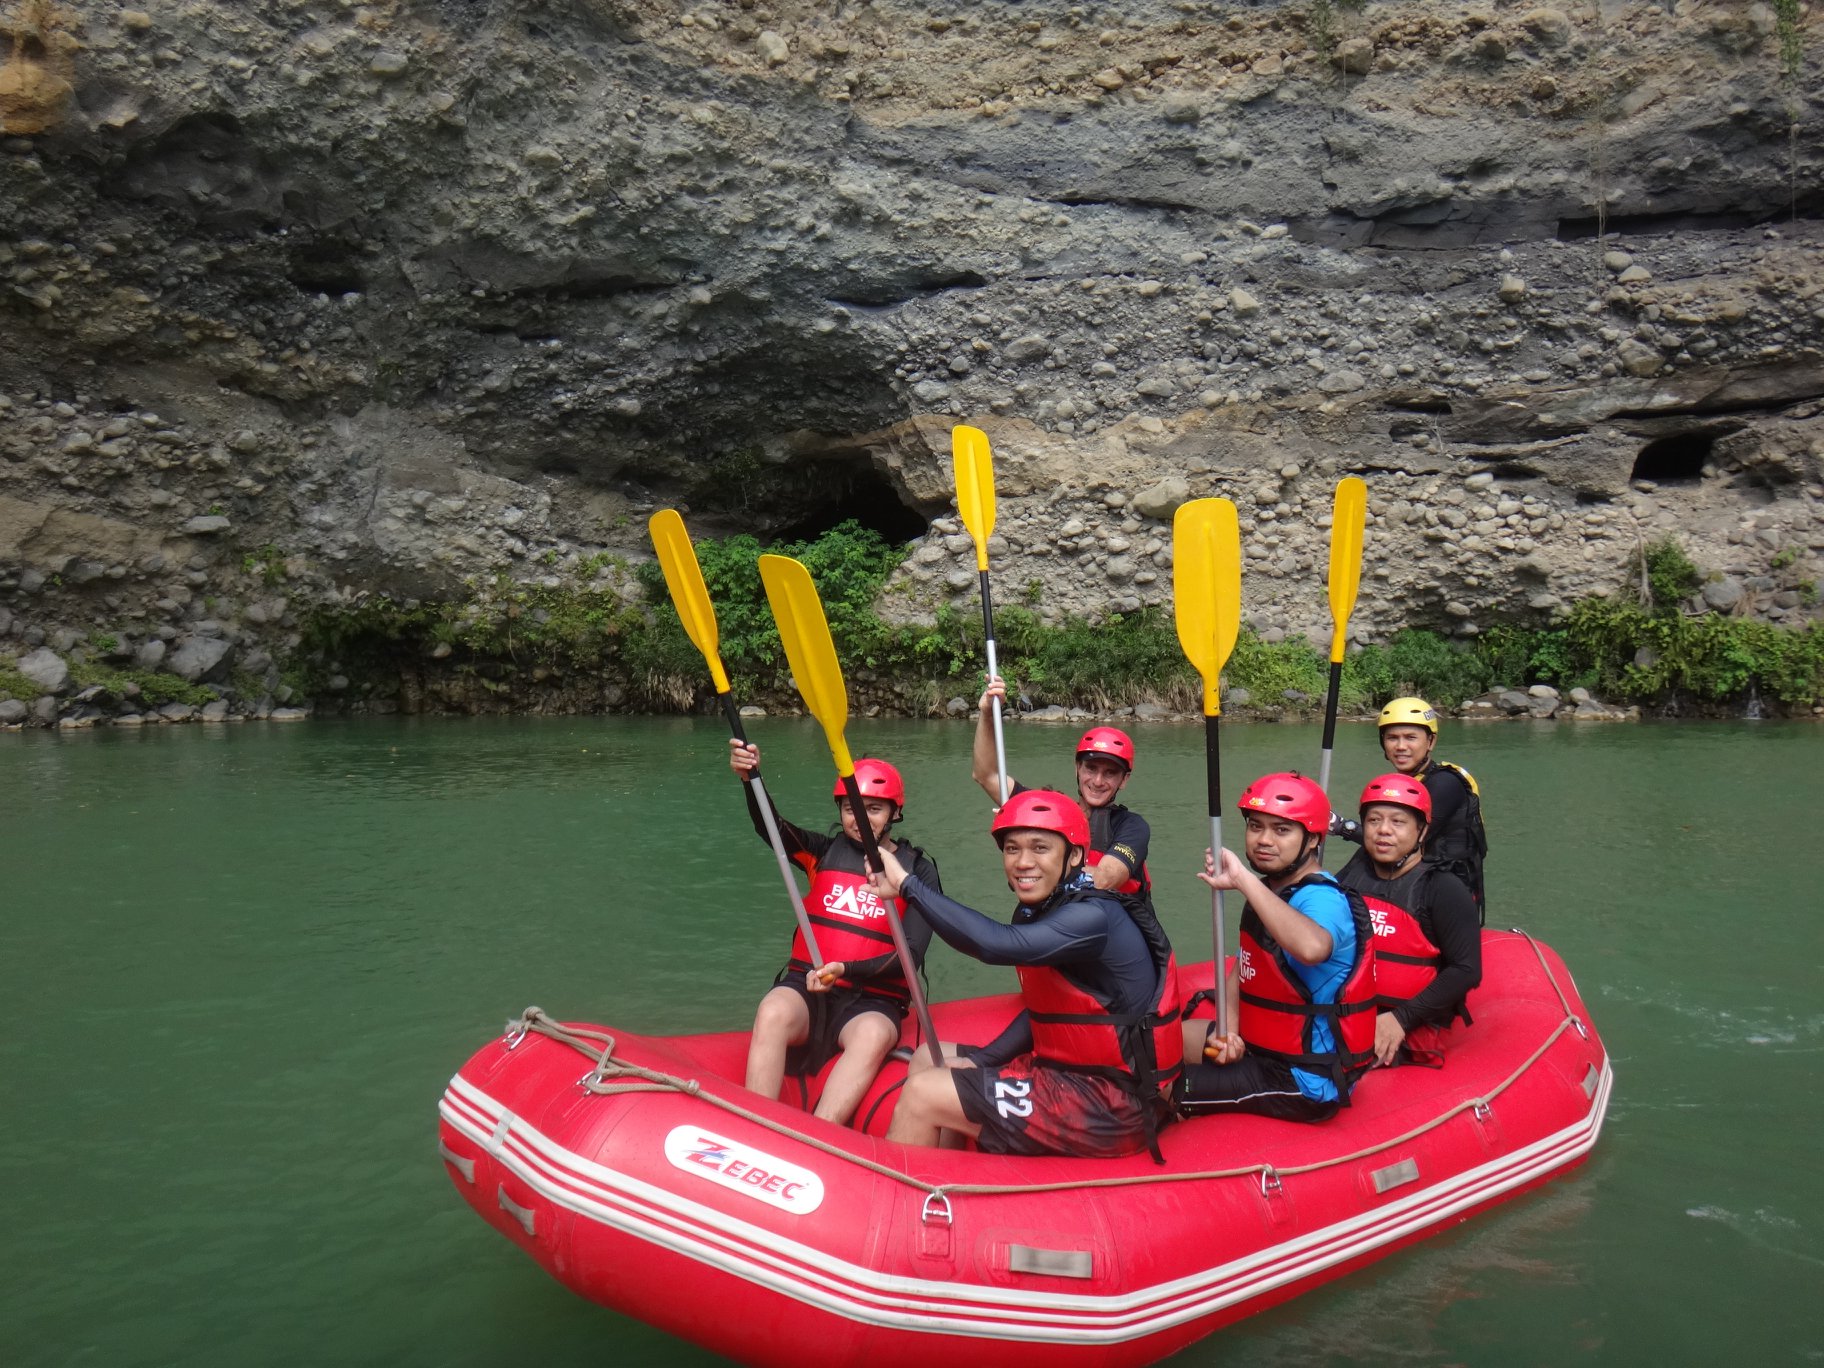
[(1410, 712)]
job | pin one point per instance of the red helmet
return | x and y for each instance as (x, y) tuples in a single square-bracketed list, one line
[(1043, 810), (876, 779), (1109, 741), (1401, 790), (1289, 795)]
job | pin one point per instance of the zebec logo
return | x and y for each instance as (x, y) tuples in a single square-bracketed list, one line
[(751, 1172)]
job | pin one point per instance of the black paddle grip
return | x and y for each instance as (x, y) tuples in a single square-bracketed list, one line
[(733, 714), (987, 610), (1212, 755), (1336, 688)]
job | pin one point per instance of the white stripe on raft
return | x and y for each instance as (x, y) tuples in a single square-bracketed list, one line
[(873, 1297)]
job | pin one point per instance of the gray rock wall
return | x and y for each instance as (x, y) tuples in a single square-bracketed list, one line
[(303, 302)]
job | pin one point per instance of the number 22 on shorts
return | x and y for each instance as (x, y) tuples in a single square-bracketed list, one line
[(1010, 1097)]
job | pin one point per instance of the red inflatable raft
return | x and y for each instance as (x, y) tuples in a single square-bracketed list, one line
[(640, 1174)]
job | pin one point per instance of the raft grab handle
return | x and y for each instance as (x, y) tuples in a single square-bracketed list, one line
[(936, 1210), (466, 1167), (1394, 1175), (1051, 1263), (523, 1214)]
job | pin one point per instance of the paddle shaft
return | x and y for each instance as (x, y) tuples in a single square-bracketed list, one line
[(871, 847), (1336, 688), (772, 834), (1212, 754), (1000, 746)]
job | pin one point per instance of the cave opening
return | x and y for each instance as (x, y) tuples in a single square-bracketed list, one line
[(1677, 459), (857, 491)]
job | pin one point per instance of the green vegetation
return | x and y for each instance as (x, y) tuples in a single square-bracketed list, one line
[(508, 628), (268, 563), (15, 685), (156, 688), (1667, 575)]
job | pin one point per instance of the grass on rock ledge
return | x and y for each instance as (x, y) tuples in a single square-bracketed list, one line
[(511, 631)]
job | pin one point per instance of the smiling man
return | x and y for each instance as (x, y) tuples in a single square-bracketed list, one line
[(1118, 836), (1301, 996), (1427, 946), (1087, 1066), (1454, 836)]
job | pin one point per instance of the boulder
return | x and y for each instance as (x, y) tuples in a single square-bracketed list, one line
[(177, 712), (208, 525), (1150, 712), (199, 657), (45, 668), (216, 711), (12, 712), (1723, 595), (150, 655), (1162, 500), (1512, 702)]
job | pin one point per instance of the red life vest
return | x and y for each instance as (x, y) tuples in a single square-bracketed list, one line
[(1101, 822), (1278, 1013), (850, 921), (1074, 1029), (1405, 960)]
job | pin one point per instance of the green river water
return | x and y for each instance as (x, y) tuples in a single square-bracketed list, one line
[(239, 964)]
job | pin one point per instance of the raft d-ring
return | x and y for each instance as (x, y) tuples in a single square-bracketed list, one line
[(1482, 1111), (514, 1036), (1269, 1182), (592, 1079), (1582, 1030), (936, 1210)]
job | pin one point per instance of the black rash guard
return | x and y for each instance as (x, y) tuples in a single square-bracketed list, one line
[(1447, 916), (1092, 938), (805, 848)]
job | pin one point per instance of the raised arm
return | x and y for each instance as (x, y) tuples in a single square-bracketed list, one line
[(982, 766)]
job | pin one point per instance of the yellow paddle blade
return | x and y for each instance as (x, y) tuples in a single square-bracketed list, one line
[(809, 650), (974, 486), (689, 595), (1346, 523), (1206, 589)]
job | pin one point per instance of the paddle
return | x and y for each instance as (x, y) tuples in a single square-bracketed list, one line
[(1346, 523), (1206, 597), (684, 577), (975, 501), (812, 657)]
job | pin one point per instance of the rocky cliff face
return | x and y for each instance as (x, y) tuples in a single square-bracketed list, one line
[(308, 300)]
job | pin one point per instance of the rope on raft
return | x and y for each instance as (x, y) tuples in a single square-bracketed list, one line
[(599, 1046)]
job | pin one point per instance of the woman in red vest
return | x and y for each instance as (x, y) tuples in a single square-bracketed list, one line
[(1427, 945), (854, 1004)]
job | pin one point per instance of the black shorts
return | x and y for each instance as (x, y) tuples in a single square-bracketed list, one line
[(1024, 1107), (830, 1013), (1253, 1083)]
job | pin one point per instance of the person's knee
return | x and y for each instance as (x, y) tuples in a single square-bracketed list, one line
[(778, 1014), (870, 1037)]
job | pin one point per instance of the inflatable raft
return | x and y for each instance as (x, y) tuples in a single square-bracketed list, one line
[(641, 1175)]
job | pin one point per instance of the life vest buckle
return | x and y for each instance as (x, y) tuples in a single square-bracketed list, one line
[(936, 1210)]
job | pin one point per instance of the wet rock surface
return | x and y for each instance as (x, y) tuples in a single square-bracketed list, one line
[(305, 305)]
